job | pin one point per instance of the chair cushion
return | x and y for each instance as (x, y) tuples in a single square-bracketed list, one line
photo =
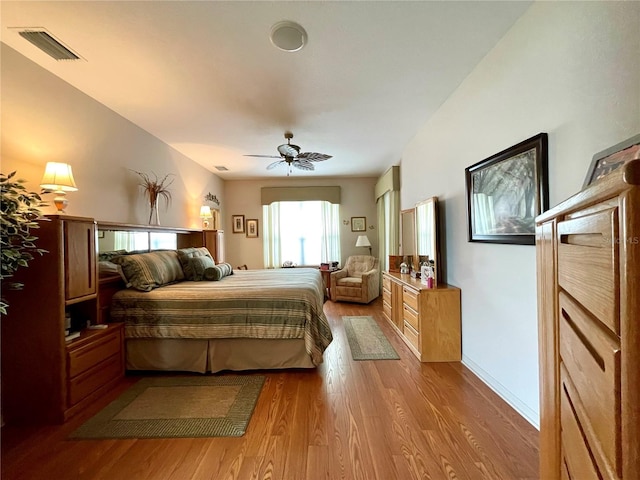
[(146, 271), (359, 264)]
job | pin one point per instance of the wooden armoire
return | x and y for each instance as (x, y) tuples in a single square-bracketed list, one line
[(588, 263)]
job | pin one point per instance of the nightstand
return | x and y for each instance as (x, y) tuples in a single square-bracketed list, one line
[(95, 363)]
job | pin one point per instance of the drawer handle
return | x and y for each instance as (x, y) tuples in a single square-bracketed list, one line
[(588, 345), (584, 239)]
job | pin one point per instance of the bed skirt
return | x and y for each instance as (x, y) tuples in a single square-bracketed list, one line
[(215, 355)]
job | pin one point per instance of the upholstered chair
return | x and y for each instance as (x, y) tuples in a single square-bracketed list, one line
[(358, 281)]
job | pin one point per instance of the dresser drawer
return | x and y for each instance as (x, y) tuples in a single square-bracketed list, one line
[(588, 264), (411, 335), (410, 316), (386, 283), (386, 310), (386, 296), (592, 360), (91, 380), (85, 357), (577, 460), (410, 297)]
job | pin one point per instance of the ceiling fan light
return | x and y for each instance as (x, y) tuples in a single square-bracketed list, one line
[(288, 36)]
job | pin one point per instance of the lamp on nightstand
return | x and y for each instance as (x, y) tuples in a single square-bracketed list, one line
[(58, 178), (363, 241), (205, 214)]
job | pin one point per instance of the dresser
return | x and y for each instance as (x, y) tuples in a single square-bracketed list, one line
[(588, 259), (46, 379), (427, 319)]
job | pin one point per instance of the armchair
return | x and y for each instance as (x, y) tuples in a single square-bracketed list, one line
[(358, 281)]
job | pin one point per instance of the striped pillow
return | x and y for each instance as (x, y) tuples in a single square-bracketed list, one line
[(198, 265), (146, 271), (186, 254), (218, 272)]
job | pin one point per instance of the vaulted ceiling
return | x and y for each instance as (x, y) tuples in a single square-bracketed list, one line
[(203, 76)]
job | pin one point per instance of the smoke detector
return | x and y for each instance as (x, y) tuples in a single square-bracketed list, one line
[(288, 36)]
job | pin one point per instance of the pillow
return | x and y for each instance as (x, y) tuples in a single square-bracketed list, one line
[(198, 265), (107, 256), (146, 271), (218, 272), (185, 254)]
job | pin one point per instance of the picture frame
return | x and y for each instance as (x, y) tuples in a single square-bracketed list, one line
[(506, 191), (237, 222), (358, 224), (252, 228), (611, 159)]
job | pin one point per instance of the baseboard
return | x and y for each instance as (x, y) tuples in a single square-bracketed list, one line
[(527, 413)]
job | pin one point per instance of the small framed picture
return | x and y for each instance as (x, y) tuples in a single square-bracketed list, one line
[(612, 158), (358, 224), (238, 223), (252, 228)]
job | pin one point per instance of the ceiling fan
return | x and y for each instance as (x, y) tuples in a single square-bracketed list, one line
[(290, 155)]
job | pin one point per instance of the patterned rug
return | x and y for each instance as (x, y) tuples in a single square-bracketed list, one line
[(172, 407), (366, 340)]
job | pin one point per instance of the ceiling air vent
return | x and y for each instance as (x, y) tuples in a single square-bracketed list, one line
[(49, 45), (221, 168)]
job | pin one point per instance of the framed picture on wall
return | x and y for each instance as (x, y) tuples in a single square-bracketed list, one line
[(506, 192), (238, 223), (252, 228), (358, 224)]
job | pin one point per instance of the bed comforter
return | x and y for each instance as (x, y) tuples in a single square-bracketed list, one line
[(281, 303)]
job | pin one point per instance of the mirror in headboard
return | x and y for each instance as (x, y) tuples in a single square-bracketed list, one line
[(408, 233), (427, 232)]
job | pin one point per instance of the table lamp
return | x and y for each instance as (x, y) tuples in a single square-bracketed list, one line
[(58, 178), (363, 241), (205, 214)]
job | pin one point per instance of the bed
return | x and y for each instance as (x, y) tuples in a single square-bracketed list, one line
[(251, 319)]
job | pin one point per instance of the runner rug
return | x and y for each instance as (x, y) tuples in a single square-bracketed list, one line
[(366, 340)]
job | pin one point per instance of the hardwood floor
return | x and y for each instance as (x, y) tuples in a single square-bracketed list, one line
[(386, 419)]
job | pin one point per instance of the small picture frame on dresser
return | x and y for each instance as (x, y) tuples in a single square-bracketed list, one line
[(612, 158)]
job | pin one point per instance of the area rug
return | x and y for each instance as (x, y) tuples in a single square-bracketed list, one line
[(172, 407), (366, 340)]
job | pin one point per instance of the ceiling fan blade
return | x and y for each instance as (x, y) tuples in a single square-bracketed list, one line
[(314, 157), (303, 165), (263, 156), (273, 165)]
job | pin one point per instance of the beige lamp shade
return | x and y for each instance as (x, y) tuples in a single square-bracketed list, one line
[(58, 178), (363, 241)]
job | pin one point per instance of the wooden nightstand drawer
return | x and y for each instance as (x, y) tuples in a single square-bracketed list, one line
[(88, 354), (91, 380)]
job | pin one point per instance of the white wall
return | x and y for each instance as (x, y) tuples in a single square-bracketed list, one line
[(46, 119), (242, 197), (571, 69)]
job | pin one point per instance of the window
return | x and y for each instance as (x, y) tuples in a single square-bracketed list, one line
[(305, 233)]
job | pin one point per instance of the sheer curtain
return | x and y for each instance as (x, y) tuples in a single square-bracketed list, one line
[(306, 233), (389, 217)]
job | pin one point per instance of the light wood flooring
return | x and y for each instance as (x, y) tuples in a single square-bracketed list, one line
[(385, 419)]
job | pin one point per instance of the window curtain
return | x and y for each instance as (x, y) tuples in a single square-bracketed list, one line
[(330, 233), (271, 235)]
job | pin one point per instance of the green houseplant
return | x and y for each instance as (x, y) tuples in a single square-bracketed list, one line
[(20, 209)]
